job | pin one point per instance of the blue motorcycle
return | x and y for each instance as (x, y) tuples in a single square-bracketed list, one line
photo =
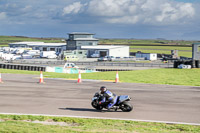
[(122, 103)]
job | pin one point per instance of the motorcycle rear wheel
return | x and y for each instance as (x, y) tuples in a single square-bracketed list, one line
[(126, 106)]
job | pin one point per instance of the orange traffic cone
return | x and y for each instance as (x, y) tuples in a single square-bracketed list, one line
[(79, 77), (41, 78), (117, 78), (0, 79)]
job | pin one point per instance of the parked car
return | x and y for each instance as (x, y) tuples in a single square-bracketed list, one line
[(102, 59), (106, 58), (110, 58)]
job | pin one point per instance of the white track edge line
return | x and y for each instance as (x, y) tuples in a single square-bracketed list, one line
[(137, 120)]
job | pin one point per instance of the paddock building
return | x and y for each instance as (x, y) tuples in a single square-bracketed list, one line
[(57, 47), (102, 51)]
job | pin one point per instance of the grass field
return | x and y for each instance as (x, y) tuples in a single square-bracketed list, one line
[(22, 124), (146, 42), (163, 47), (180, 53), (5, 40), (183, 51), (189, 77)]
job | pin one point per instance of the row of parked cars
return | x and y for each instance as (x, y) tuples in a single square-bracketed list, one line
[(7, 53)]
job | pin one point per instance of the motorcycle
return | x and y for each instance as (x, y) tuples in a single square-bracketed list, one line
[(122, 103)]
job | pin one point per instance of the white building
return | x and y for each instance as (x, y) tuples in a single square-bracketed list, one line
[(57, 47), (78, 39), (147, 56), (102, 51)]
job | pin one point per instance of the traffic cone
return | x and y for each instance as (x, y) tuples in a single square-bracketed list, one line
[(79, 77), (0, 79), (117, 78), (41, 78)]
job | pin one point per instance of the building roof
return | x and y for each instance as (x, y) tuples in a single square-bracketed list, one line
[(26, 43), (102, 47), (48, 44), (86, 39), (81, 33), (38, 44)]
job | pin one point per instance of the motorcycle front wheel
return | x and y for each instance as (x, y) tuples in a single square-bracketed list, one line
[(96, 106), (126, 106)]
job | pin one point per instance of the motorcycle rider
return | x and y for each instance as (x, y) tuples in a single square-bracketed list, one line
[(108, 96)]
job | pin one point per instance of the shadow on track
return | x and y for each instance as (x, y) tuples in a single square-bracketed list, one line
[(87, 110), (82, 109)]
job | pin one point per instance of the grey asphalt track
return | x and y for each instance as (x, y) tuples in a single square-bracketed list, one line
[(22, 94)]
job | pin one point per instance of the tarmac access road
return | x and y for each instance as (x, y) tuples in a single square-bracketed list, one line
[(22, 94)]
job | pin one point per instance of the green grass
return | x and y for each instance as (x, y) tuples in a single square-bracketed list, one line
[(5, 40), (14, 124), (163, 47), (188, 77), (163, 50), (180, 53), (145, 42)]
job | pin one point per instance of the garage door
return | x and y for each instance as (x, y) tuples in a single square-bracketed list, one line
[(103, 53)]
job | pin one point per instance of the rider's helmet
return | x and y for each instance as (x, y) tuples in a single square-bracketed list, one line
[(103, 89)]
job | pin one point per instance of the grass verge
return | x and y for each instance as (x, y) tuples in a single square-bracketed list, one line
[(188, 77), (16, 123), (163, 47), (180, 53)]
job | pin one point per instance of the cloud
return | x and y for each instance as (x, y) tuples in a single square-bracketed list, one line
[(173, 13), (151, 12), (73, 8), (119, 17), (3, 16), (141, 11), (154, 12)]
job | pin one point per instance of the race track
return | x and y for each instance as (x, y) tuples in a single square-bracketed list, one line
[(22, 94)]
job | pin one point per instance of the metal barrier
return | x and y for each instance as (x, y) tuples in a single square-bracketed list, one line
[(23, 67), (123, 64)]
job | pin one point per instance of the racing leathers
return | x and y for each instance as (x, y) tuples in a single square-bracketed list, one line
[(109, 97)]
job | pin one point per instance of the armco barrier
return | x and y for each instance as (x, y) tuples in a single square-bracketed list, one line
[(23, 67), (121, 64)]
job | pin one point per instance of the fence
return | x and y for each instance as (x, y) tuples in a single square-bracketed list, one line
[(121, 64), (22, 67)]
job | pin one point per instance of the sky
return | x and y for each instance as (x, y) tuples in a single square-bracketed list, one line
[(138, 19)]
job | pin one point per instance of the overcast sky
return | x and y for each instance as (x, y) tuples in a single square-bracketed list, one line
[(140, 19)]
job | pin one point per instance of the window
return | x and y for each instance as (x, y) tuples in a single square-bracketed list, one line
[(52, 49), (37, 48), (44, 49)]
